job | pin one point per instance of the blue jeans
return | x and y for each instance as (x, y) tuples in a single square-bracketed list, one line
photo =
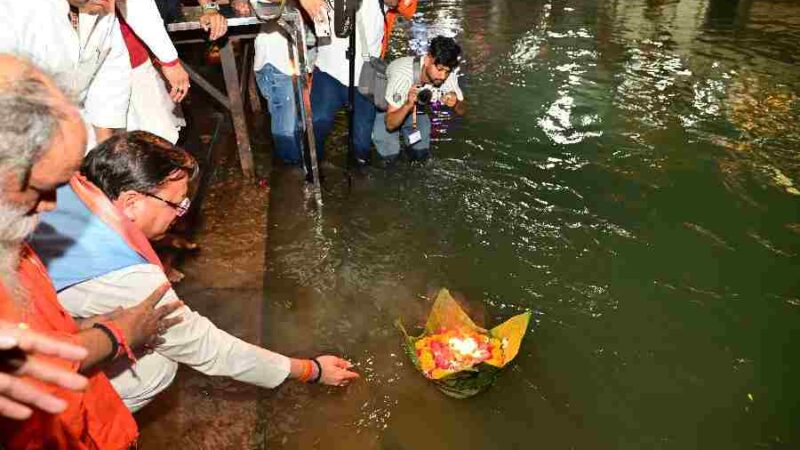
[(287, 134), (388, 142), (328, 96)]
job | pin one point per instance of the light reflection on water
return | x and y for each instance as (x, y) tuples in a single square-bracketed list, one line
[(628, 170)]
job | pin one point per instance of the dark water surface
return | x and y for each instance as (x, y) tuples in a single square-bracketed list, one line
[(629, 171)]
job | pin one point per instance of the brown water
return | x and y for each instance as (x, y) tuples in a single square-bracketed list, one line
[(629, 171)]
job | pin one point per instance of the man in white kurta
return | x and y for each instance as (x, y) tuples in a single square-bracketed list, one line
[(95, 271), (154, 105), (151, 107), (96, 248), (90, 60)]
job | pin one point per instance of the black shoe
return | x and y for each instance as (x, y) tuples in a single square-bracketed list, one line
[(419, 155), (387, 162), (360, 162)]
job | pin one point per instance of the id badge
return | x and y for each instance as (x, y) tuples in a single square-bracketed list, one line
[(414, 137)]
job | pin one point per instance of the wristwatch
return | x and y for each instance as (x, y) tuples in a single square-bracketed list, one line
[(210, 6)]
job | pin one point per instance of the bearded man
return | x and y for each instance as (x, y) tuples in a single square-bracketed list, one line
[(414, 84), (42, 139)]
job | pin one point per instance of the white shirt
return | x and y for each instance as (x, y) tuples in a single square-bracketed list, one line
[(145, 20), (272, 47), (195, 341), (332, 59), (400, 74), (93, 62)]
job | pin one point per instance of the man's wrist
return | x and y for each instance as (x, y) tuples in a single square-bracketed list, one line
[(111, 337), (172, 63)]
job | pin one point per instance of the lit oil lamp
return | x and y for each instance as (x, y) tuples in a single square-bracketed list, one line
[(460, 357)]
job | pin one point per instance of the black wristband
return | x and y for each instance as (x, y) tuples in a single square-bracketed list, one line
[(114, 343), (319, 372)]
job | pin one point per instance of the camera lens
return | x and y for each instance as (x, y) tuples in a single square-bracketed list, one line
[(424, 96)]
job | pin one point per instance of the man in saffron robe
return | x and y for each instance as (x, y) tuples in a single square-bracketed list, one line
[(131, 188), (42, 139)]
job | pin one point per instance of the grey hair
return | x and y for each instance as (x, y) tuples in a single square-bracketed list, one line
[(28, 121)]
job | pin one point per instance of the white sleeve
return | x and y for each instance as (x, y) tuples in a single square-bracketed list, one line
[(397, 86), (109, 93), (10, 34), (451, 85), (195, 341), (145, 20)]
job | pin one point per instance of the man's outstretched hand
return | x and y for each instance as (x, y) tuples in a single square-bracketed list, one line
[(335, 371)]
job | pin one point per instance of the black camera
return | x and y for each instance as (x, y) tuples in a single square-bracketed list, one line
[(424, 96)]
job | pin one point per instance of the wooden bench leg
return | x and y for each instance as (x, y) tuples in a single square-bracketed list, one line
[(237, 108), (252, 90)]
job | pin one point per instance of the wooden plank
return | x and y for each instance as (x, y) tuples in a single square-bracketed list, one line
[(191, 18), (247, 77), (237, 108), (252, 92), (245, 63), (203, 40), (205, 85)]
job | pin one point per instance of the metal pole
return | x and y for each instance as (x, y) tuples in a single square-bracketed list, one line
[(298, 54), (351, 94)]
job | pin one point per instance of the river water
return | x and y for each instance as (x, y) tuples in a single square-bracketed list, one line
[(627, 170)]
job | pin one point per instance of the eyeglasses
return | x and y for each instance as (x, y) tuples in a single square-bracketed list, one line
[(180, 208)]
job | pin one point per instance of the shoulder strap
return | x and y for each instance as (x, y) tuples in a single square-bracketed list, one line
[(417, 71)]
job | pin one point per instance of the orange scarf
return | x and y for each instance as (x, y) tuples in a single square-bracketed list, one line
[(101, 206)]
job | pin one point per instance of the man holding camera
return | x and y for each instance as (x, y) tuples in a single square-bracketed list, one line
[(413, 84)]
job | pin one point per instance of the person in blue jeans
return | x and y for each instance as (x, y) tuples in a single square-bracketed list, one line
[(329, 91), (434, 77), (272, 68), (387, 143), (328, 96)]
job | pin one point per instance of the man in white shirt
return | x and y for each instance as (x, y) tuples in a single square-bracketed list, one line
[(83, 51), (274, 78), (329, 92), (154, 106), (434, 77), (96, 247)]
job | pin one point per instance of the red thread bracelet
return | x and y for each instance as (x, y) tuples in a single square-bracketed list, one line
[(123, 343), (174, 62)]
